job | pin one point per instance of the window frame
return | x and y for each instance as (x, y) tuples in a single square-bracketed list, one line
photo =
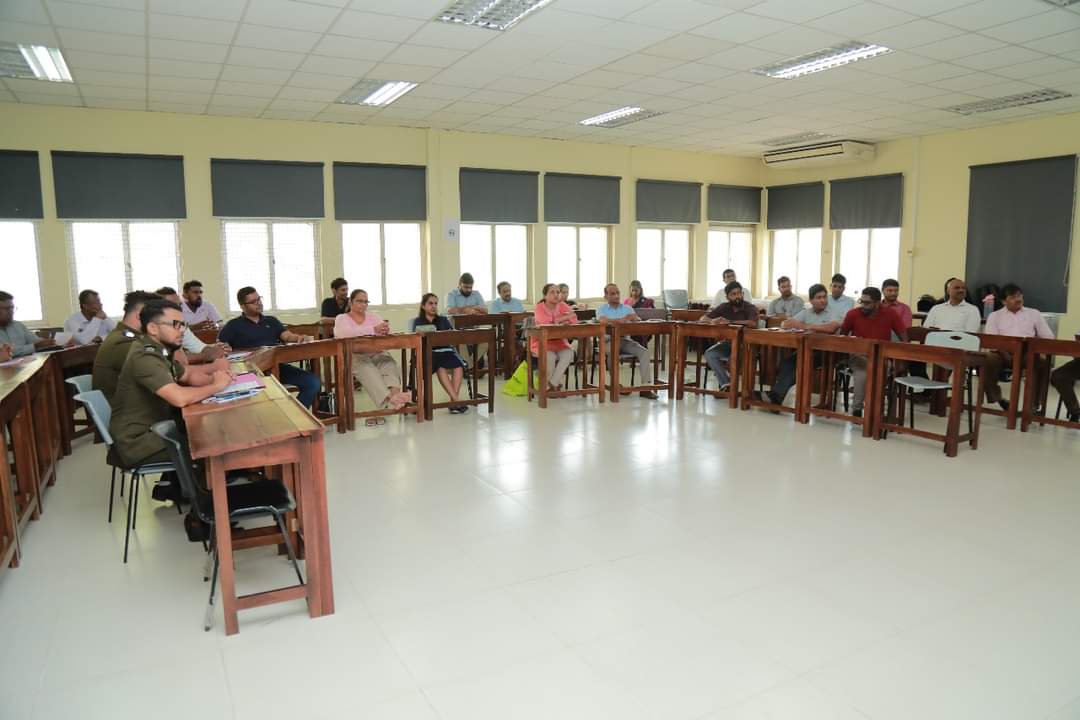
[(272, 292), (577, 245), (494, 256), (732, 228), (797, 289), (664, 228), (382, 257), (34, 228), (838, 248), (125, 238)]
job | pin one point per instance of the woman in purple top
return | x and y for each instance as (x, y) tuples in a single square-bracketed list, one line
[(377, 371), (637, 300)]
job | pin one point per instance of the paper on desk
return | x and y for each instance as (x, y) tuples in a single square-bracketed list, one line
[(242, 383), (62, 338), (236, 356), (16, 361)]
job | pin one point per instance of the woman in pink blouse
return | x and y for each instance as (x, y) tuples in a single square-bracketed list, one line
[(377, 372), (552, 311)]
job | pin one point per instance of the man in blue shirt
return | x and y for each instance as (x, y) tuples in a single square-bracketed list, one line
[(252, 329), (839, 303), (506, 302), (614, 311), (463, 300)]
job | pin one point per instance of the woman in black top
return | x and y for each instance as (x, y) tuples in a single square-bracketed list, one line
[(445, 361), (338, 304)]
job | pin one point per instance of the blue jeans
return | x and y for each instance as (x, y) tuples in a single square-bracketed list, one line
[(308, 383), (717, 357)]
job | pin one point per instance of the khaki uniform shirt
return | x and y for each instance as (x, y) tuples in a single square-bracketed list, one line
[(136, 406), (110, 359)]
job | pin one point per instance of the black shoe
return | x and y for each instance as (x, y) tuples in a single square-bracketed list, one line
[(1004, 405), (649, 395), (1073, 417), (856, 413)]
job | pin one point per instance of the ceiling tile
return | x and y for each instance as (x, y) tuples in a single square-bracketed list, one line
[(182, 68), (1037, 26), (116, 93), (860, 20), (1002, 89), (322, 65), (701, 93), (102, 19), (681, 15), (445, 35), (964, 83), (959, 46), (422, 55), (742, 57), (267, 38), (1036, 67), (311, 106), (1012, 55), (209, 9), (195, 85), (469, 78), (551, 71), (642, 64), (694, 73), (194, 29), (247, 89), (799, 11), (19, 86), (178, 96), (1055, 44), (741, 28), (613, 9), (946, 100), (540, 102), (237, 101), (291, 15), (282, 114), (176, 107), (110, 79), (579, 54), (630, 36), (314, 82), (797, 40), (570, 91), (1061, 77), (377, 27), (743, 81), (187, 50), (344, 47), (988, 13), (686, 47), (241, 73), (19, 32), (397, 71), (26, 11), (102, 42), (39, 99), (893, 62), (605, 79), (520, 84), (269, 59), (78, 60), (115, 103), (435, 90), (931, 73)]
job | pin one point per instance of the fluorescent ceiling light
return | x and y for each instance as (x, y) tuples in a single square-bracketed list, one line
[(33, 61), (617, 118), (490, 14), (376, 93), (795, 139), (827, 59), (992, 104)]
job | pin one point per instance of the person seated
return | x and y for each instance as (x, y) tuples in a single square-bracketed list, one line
[(1064, 381), (788, 304), (955, 314), (564, 297), (90, 324), (553, 311), (463, 300), (721, 296), (196, 310), (377, 371), (506, 302), (194, 351), (338, 303), (110, 357), (252, 329), (15, 339), (152, 385), (838, 301), (736, 311), (1018, 321), (873, 321), (615, 311), (890, 298), (446, 363), (637, 298), (816, 318)]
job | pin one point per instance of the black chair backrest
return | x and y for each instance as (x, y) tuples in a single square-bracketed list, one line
[(185, 470)]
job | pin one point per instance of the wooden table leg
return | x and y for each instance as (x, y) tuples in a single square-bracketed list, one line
[(600, 371), (491, 383), (315, 518), (215, 476), (678, 362), (9, 523), (613, 358), (733, 375), (542, 362), (956, 404), (1029, 393), (1014, 390)]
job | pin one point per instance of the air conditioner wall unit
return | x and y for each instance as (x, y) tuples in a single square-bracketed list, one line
[(828, 153)]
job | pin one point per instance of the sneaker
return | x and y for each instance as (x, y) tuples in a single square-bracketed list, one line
[(649, 395), (1004, 405)]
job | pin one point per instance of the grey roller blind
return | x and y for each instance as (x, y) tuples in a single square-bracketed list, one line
[(1020, 219), (866, 202), (669, 202), (266, 189), (380, 192), (734, 204), (796, 206), (498, 195), (98, 186), (581, 199), (20, 185)]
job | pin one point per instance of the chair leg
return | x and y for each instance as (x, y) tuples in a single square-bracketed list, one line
[(122, 476), (911, 406), (133, 500), (970, 406), (136, 479), (288, 546), (208, 620), (211, 552), (112, 491)]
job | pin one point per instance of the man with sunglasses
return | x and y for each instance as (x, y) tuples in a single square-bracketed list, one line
[(252, 329), (153, 385)]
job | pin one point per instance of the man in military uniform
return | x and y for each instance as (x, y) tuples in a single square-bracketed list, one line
[(152, 385), (114, 350)]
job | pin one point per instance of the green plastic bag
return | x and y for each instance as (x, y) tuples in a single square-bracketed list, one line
[(518, 384)]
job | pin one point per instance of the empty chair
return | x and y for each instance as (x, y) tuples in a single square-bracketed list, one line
[(676, 299), (81, 383), (915, 384)]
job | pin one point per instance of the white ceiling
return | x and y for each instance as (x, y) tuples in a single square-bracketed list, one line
[(574, 58)]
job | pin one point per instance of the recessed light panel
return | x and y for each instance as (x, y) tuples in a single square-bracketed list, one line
[(827, 59), (33, 61), (1009, 101), (620, 117), (376, 93), (490, 14)]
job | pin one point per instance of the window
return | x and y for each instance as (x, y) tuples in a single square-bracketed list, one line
[(384, 259), (255, 249), (797, 254), (19, 271), (508, 256), (868, 257), (577, 256), (729, 248), (115, 258), (663, 259)]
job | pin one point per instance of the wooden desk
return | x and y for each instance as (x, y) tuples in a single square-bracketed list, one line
[(956, 361), (386, 343), (455, 338), (586, 332), (771, 341), (267, 359), (1037, 348), (81, 357), (271, 428), (658, 329), (684, 331), (207, 332), (505, 325), (829, 346)]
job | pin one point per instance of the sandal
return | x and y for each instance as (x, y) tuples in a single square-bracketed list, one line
[(374, 422)]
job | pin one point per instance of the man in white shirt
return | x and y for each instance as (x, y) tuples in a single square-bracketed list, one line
[(721, 297), (196, 310), (955, 314), (840, 303), (90, 324)]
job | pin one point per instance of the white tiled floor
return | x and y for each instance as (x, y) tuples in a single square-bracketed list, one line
[(644, 560)]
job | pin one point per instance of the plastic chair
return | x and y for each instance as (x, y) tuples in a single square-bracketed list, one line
[(676, 299), (81, 383), (101, 413), (915, 384), (259, 498)]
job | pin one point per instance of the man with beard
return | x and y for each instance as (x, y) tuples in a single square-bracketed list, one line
[(196, 310), (735, 311), (463, 300), (890, 298), (152, 386), (873, 321), (788, 305)]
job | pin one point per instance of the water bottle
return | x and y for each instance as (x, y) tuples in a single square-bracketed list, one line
[(988, 306)]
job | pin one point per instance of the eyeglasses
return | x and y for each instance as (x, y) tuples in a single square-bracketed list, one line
[(256, 301), (177, 324)]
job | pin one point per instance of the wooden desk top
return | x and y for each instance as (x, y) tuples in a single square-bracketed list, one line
[(640, 327), (463, 336), (12, 377), (708, 330), (839, 343), (376, 343), (1046, 346), (568, 332), (776, 338), (687, 315)]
